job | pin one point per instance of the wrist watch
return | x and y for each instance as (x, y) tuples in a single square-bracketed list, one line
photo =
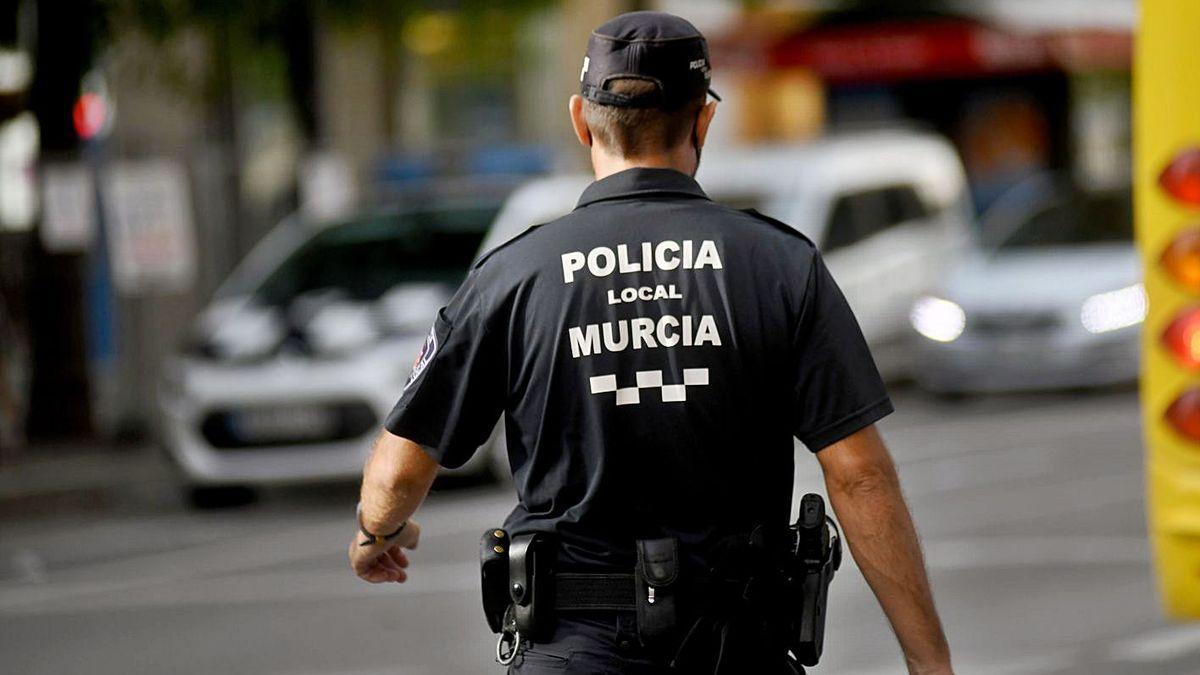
[(372, 538)]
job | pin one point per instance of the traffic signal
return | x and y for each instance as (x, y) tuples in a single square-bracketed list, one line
[(92, 113), (1167, 189), (89, 115)]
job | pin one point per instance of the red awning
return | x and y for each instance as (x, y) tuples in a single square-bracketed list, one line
[(924, 49), (910, 50)]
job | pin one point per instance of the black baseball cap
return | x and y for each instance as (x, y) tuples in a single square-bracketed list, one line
[(653, 46)]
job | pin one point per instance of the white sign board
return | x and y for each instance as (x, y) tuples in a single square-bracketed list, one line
[(68, 208), (148, 214)]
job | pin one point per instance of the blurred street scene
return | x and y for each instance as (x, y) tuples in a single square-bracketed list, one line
[(225, 229)]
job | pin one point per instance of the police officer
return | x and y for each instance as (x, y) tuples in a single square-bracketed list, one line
[(653, 353)]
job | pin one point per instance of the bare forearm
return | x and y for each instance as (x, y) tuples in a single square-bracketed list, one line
[(865, 491), (397, 477), (881, 535)]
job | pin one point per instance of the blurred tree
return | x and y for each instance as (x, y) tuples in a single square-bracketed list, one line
[(243, 33)]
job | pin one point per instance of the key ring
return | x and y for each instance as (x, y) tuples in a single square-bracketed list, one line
[(506, 647), (510, 639)]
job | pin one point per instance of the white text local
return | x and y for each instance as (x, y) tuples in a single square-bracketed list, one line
[(665, 255), (659, 292), (643, 333)]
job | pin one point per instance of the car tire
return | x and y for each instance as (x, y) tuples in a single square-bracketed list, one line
[(209, 497)]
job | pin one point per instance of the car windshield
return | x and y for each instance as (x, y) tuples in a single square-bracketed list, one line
[(1078, 219), (366, 256)]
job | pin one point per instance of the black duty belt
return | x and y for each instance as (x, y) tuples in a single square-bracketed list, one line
[(576, 591)]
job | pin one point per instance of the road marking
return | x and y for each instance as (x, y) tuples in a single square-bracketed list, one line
[(1158, 646), (972, 553)]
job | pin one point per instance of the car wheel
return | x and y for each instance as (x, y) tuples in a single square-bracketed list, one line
[(207, 497)]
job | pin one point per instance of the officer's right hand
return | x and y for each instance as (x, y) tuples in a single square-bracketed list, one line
[(380, 563)]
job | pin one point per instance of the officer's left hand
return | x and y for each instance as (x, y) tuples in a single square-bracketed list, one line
[(385, 562)]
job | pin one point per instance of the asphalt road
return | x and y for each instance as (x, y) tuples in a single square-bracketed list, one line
[(1029, 507)]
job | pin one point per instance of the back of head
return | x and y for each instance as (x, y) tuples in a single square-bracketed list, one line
[(638, 132), (644, 80)]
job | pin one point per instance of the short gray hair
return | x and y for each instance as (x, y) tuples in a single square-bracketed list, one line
[(635, 132)]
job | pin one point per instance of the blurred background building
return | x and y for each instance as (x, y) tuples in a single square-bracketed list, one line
[(146, 146)]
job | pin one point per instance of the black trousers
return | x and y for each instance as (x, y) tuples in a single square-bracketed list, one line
[(606, 643)]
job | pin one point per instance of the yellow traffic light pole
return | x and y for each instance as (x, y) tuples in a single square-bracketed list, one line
[(1167, 193)]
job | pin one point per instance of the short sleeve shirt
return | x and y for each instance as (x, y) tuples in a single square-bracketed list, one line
[(652, 355)]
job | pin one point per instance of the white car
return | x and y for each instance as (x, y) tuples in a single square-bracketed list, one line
[(297, 361), (888, 209), (1054, 301)]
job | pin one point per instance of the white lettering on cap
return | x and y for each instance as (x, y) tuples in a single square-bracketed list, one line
[(583, 71)]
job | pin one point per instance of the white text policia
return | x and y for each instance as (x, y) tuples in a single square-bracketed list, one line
[(665, 255)]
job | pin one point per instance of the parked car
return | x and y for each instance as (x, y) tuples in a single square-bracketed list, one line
[(888, 209), (304, 350), (1053, 298)]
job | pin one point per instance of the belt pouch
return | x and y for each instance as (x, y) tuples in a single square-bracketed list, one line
[(657, 579), (493, 574), (531, 568)]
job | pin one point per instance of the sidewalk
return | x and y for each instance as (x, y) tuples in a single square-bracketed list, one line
[(45, 480)]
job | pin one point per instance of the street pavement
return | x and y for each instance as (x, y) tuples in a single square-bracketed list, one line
[(1030, 509)]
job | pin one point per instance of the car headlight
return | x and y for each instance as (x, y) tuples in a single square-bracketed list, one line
[(938, 319), (1113, 310)]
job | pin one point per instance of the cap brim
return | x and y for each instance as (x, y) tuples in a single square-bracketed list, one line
[(713, 94)]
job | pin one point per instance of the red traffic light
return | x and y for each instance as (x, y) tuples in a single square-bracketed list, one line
[(1182, 338), (1181, 178), (1184, 414), (89, 115)]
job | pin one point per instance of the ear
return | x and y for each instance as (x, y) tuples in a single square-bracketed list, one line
[(575, 108), (703, 119)]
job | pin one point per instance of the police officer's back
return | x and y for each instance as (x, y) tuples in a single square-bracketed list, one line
[(653, 354)]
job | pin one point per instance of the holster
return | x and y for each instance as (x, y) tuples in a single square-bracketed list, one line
[(657, 580), (531, 564), (816, 556)]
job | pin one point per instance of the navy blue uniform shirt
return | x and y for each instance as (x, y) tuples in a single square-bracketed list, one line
[(653, 354)]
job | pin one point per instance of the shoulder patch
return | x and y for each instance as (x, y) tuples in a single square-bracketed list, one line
[(428, 350), (778, 224)]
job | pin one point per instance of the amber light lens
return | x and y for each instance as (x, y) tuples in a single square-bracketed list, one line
[(1181, 178), (1182, 259), (1182, 338), (1184, 414)]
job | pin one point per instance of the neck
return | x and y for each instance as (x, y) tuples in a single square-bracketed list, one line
[(681, 159)]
